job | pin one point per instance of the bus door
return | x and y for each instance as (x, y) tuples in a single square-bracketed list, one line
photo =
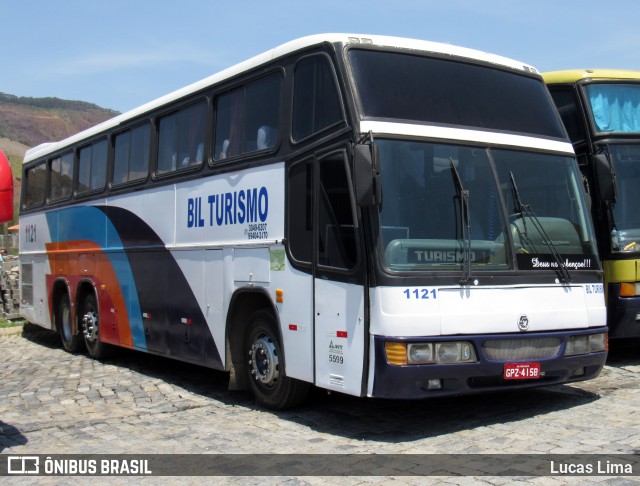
[(338, 292)]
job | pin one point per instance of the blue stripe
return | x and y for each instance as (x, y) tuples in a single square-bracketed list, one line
[(91, 224)]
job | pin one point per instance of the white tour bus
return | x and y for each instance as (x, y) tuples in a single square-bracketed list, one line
[(376, 216)]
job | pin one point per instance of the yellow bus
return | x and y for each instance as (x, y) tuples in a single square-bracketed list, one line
[(601, 111)]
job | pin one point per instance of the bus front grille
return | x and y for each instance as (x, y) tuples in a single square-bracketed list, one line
[(521, 349)]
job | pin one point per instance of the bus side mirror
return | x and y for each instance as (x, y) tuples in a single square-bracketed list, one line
[(6, 190), (366, 171), (606, 176)]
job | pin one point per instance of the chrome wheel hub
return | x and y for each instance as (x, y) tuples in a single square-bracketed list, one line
[(263, 361), (90, 325)]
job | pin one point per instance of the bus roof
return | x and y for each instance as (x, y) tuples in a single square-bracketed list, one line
[(575, 75), (277, 52)]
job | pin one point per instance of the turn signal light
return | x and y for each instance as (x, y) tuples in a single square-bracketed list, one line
[(629, 289), (396, 353)]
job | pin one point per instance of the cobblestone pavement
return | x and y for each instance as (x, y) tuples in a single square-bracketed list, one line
[(52, 402)]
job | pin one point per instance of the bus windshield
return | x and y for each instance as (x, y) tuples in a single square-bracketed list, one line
[(615, 107), (434, 90), (626, 217), (443, 209)]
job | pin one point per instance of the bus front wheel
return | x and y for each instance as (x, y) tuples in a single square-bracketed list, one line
[(267, 380)]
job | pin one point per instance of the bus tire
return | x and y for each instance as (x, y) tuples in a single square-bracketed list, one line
[(69, 336), (90, 324), (267, 381)]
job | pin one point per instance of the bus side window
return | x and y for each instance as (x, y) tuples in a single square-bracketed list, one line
[(181, 138), (61, 176), (262, 114), (248, 118), (336, 225), (336, 233), (567, 105), (92, 167), (228, 124), (300, 211), (168, 144), (35, 194), (316, 99), (131, 160)]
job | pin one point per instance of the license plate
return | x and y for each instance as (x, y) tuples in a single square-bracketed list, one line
[(521, 371)]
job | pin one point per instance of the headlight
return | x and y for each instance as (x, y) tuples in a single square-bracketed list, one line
[(577, 345), (420, 353), (401, 354), (585, 344), (599, 342), (455, 352)]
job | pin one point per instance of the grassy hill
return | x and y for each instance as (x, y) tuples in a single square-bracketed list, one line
[(32, 121), (27, 122)]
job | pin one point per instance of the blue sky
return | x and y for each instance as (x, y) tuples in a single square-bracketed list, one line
[(122, 53)]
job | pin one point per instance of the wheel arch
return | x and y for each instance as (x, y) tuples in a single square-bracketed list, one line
[(60, 287), (244, 303), (85, 287)]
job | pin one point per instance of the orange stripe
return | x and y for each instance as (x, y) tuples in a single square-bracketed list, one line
[(82, 259)]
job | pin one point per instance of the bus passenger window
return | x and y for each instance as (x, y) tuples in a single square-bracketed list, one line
[(316, 99), (181, 139), (131, 161), (140, 147), (121, 159), (262, 114), (36, 177), (61, 176), (191, 135), (228, 124), (248, 118), (92, 167)]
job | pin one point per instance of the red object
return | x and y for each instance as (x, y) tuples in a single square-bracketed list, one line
[(342, 334), (521, 371), (6, 189)]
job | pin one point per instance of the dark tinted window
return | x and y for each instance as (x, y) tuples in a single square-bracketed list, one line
[(248, 118), (61, 176), (92, 167), (565, 101), (410, 87), (131, 159), (36, 178), (316, 101), (336, 228), (181, 139), (300, 207)]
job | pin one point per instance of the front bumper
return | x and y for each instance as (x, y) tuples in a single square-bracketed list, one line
[(411, 381), (622, 314)]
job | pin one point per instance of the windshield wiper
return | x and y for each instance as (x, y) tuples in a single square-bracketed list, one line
[(526, 210), (465, 217), (520, 209)]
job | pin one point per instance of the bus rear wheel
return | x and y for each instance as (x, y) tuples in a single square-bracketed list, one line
[(90, 324), (267, 380), (68, 335)]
